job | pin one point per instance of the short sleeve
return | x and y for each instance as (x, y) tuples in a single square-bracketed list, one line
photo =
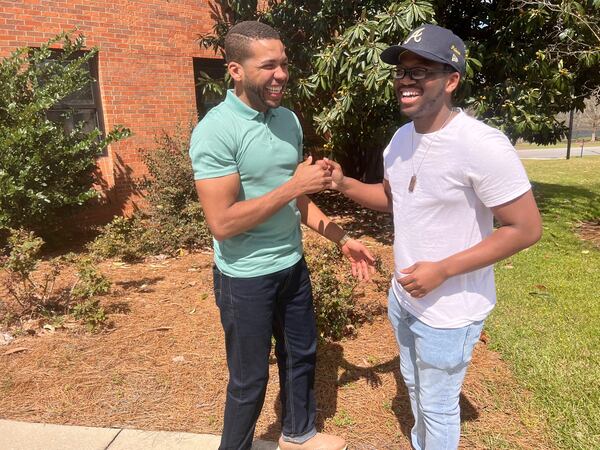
[(212, 152), (386, 164), (494, 169), (300, 139)]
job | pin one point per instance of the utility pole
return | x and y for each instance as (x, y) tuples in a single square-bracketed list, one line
[(570, 136)]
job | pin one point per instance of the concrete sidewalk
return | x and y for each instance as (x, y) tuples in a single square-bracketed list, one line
[(39, 436), (557, 153)]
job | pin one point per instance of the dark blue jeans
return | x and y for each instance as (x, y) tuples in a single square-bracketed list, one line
[(252, 311)]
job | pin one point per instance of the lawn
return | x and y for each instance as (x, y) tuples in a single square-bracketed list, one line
[(547, 322)]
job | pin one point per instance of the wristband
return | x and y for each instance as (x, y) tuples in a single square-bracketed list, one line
[(345, 238)]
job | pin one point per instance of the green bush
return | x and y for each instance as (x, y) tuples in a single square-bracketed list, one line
[(333, 293), (172, 199), (32, 290), (173, 219), (123, 238), (91, 313), (32, 295), (45, 170), (90, 282)]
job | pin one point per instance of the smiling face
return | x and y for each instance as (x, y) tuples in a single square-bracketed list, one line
[(261, 78), (427, 102)]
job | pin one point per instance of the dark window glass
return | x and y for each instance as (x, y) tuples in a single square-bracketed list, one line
[(215, 68), (81, 106)]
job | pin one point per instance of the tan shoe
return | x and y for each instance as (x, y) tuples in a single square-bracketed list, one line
[(319, 441)]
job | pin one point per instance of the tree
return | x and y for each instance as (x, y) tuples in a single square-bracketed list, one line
[(346, 106), (538, 58), (46, 171), (528, 61)]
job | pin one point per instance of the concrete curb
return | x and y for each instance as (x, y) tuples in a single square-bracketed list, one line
[(16, 435)]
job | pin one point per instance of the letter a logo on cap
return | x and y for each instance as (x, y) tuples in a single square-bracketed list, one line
[(415, 36)]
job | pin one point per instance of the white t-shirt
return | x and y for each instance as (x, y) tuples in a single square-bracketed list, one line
[(462, 170)]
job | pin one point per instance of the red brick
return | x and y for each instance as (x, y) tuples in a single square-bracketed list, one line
[(145, 74)]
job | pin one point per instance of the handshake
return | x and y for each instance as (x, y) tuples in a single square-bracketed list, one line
[(311, 177)]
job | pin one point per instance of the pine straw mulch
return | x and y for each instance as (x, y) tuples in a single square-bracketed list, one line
[(161, 366), (590, 231)]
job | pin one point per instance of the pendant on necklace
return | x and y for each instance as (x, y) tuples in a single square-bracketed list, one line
[(413, 182)]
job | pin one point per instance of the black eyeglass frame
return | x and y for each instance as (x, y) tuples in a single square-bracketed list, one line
[(396, 71)]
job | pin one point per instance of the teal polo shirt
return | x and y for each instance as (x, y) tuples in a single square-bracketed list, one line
[(264, 149)]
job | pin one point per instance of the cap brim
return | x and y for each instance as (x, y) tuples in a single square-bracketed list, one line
[(390, 54)]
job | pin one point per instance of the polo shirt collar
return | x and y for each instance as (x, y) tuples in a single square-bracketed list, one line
[(239, 107)]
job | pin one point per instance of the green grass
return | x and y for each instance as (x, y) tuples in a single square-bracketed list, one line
[(547, 321)]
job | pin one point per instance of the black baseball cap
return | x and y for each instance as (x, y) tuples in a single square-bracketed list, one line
[(430, 42)]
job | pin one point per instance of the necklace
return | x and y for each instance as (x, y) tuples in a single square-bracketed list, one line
[(413, 179)]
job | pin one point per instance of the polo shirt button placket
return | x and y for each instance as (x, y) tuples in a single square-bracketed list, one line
[(266, 122)]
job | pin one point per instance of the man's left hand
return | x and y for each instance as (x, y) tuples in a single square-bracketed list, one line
[(363, 263), (422, 278)]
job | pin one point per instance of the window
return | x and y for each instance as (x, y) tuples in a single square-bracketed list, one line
[(81, 106), (215, 68)]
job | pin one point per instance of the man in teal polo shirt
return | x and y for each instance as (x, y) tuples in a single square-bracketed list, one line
[(246, 154)]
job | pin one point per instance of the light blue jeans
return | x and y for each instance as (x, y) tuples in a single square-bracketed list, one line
[(433, 362)]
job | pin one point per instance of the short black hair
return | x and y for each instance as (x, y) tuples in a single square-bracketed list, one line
[(238, 38)]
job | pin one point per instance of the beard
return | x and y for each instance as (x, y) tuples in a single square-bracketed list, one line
[(428, 104), (256, 94)]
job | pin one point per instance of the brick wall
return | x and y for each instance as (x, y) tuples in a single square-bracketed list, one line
[(145, 70)]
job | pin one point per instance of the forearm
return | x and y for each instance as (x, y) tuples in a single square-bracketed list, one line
[(372, 196), (522, 227), (244, 215), (501, 244), (316, 220)]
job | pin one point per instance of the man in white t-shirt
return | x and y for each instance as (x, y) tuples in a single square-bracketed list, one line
[(447, 176)]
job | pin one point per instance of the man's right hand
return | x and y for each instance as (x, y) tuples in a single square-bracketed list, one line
[(310, 178), (377, 196)]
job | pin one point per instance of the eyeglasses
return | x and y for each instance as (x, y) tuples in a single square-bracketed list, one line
[(416, 74)]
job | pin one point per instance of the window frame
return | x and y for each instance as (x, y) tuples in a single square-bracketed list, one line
[(93, 106)]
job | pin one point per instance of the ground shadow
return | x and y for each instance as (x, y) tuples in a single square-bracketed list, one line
[(81, 226), (330, 361), (118, 308), (69, 239), (358, 221), (558, 199), (140, 285)]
